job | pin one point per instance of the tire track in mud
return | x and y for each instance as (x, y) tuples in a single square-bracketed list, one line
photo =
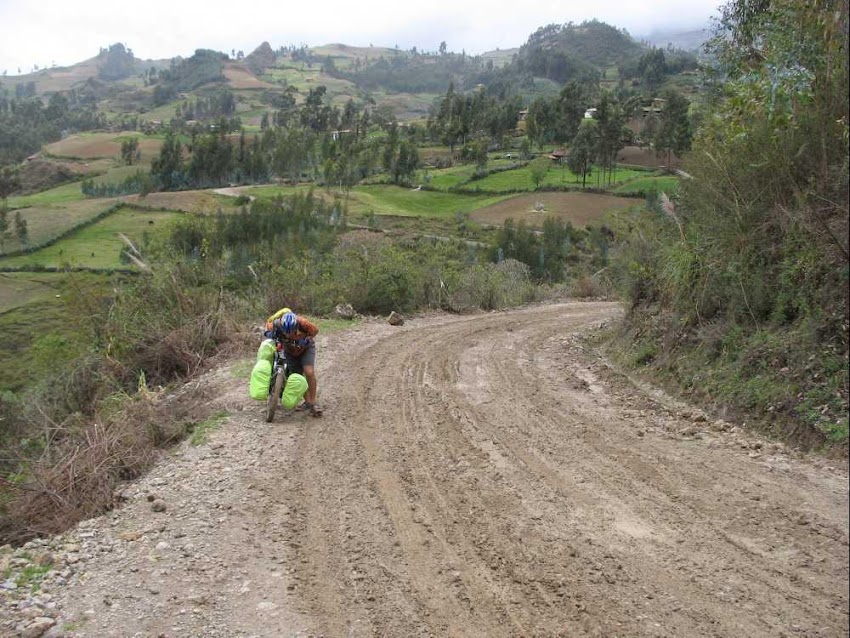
[(483, 476)]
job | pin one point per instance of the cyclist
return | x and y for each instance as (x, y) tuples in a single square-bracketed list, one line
[(296, 335)]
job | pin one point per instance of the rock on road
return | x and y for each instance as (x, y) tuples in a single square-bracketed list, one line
[(485, 475)]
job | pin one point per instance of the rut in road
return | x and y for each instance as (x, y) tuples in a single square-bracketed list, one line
[(481, 476)]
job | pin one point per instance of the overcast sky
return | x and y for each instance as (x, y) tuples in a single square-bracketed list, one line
[(64, 32)]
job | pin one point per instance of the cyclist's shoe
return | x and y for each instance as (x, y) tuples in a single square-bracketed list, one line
[(305, 406), (316, 410)]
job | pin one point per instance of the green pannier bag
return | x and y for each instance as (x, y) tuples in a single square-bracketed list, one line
[(296, 387), (258, 387), (266, 350)]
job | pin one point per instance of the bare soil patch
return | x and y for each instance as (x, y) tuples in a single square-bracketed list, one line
[(99, 145), (580, 209), (198, 201), (637, 156), (240, 78)]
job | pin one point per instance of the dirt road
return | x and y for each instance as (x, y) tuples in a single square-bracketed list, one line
[(481, 475)]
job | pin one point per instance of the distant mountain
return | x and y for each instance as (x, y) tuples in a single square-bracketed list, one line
[(260, 59), (592, 42), (687, 40), (405, 82)]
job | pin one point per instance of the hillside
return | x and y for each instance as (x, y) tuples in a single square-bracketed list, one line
[(404, 82)]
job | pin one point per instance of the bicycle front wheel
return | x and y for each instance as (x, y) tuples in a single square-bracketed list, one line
[(274, 396)]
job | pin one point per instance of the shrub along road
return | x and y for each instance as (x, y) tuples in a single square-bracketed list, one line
[(485, 475)]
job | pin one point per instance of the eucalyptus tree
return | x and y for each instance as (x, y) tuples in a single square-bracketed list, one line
[(673, 134), (9, 183), (572, 103), (542, 120), (167, 168), (609, 137), (21, 230), (583, 149)]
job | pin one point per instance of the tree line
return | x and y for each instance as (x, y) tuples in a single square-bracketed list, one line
[(27, 124)]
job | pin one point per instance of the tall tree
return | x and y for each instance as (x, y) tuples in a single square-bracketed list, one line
[(406, 163), (539, 167), (9, 183), (129, 149), (4, 228), (542, 120), (21, 230), (167, 169), (652, 68), (583, 149), (673, 134), (609, 117), (573, 102)]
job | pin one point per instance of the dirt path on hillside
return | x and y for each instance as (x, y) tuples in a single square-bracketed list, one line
[(482, 475)]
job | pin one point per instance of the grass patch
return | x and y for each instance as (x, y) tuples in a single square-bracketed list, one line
[(202, 430), (97, 245), (336, 325), (777, 379), (644, 354), (63, 194), (30, 576), (519, 179), (268, 192), (34, 325), (118, 174), (446, 178), (23, 288), (19, 328), (45, 223)]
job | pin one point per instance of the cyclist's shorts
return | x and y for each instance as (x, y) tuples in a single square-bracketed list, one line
[(307, 358)]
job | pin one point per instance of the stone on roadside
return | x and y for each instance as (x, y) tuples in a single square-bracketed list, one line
[(37, 627), (345, 311)]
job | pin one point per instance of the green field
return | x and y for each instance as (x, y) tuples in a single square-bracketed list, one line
[(446, 178), (519, 179), (97, 245), (268, 192), (120, 173), (60, 195), (48, 222)]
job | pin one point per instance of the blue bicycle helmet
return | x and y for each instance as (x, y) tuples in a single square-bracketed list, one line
[(289, 323)]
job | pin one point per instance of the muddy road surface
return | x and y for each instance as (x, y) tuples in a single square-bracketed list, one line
[(484, 475)]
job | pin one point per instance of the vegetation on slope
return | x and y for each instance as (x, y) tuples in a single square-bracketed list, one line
[(739, 290)]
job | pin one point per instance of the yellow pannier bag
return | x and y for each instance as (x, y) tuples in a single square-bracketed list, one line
[(266, 350), (258, 387), (296, 387)]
